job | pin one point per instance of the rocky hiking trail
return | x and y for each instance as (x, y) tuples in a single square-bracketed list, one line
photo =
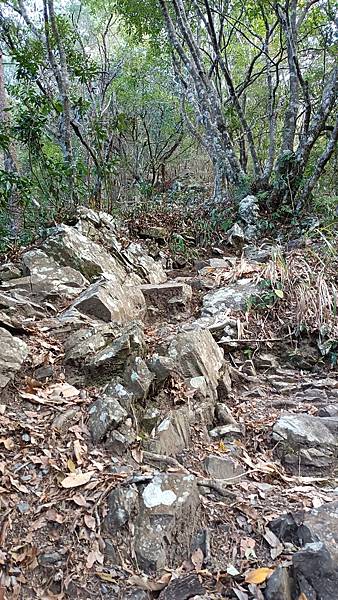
[(163, 433)]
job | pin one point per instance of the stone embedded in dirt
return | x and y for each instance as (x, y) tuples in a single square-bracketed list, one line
[(218, 325), (197, 354), (171, 435), (9, 271), (262, 254), (223, 414), (212, 264), (229, 431), (82, 344), (106, 413), (182, 588), (108, 301), (307, 440), (322, 523), (13, 352), (236, 296), (150, 419), (219, 467), (121, 502), (279, 585), (112, 359), (248, 209), (236, 236), (17, 309), (70, 248), (138, 378), (161, 366), (64, 419), (315, 572), (168, 517), (167, 296), (154, 232), (330, 410), (47, 278), (141, 263)]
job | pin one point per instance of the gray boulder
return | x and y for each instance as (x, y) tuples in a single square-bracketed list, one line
[(13, 352), (171, 435), (168, 517), (235, 296), (102, 228), (279, 585), (315, 572), (17, 309), (138, 378), (236, 236), (167, 296), (121, 503), (113, 358), (144, 265), (107, 413), (248, 210), (322, 524), (197, 354), (48, 278), (85, 342), (107, 300), (161, 366), (219, 467), (307, 440), (9, 271), (70, 248)]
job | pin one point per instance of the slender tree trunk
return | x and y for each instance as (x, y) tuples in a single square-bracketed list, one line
[(9, 161), (310, 183), (202, 94)]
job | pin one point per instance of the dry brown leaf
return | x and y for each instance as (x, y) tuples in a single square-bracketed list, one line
[(90, 522), (80, 500), (302, 596), (52, 515), (143, 582), (197, 559), (258, 575), (8, 443), (78, 452), (91, 559), (77, 479), (65, 390), (137, 455)]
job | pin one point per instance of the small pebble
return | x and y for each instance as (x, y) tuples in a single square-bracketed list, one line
[(23, 507)]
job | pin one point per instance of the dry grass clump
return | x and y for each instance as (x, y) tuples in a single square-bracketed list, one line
[(309, 297)]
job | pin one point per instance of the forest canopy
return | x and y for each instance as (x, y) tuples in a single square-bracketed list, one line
[(104, 103)]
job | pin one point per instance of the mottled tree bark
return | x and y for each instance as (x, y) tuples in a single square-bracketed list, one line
[(9, 160)]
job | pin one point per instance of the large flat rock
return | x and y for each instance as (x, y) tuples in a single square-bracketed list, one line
[(306, 440), (107, 300), (235, 297)]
